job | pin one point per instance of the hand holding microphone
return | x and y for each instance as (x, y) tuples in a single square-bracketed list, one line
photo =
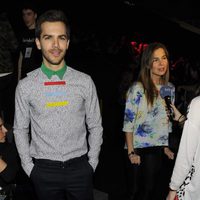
[(166, 93)]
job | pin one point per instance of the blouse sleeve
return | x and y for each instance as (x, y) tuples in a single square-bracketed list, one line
[(134, 96)]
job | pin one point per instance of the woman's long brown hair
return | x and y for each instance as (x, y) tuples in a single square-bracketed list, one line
[(145, 72)]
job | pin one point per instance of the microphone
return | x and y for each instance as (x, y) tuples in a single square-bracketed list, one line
[(166, 93)]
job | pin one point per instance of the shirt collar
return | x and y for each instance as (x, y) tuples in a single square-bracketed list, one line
[(49, 73)]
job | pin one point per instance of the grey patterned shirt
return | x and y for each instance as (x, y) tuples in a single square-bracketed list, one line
[(61, 112)]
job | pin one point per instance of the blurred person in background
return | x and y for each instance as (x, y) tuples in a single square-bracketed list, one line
[(30, 57), (8, 50), (8, 163)]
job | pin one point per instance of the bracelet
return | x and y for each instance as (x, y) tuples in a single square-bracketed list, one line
[(180, 118), (132, 153), (171, 189)]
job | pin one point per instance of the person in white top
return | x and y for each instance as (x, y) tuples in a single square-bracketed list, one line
[(185, 178)]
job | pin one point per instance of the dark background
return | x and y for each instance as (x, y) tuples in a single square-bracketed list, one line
[(160, 20)]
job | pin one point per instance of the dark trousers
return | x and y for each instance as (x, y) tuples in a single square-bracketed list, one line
[(70, 180), (143, 178)]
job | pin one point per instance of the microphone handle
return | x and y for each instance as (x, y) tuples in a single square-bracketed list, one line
[(168, 103)]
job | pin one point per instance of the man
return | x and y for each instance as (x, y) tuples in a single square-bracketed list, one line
[(29, 57), (62, 106)]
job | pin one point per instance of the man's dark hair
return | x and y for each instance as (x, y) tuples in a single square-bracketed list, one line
[(29, 5), (52, 16)]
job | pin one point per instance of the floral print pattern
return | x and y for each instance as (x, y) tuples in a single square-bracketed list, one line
[(150, 126)]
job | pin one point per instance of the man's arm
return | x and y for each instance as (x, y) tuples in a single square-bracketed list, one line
[(94, 123), (21, 128), (19, 66)]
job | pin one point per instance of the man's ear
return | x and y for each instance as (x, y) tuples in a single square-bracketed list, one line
[(68, 44), (37, 43)]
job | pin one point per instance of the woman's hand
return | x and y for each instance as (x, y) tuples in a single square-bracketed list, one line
[(171, 195), (176, 112), (169, 153), (135, 159)]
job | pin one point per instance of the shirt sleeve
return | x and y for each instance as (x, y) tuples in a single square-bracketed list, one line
[(94, 124), (187, 147), (21, 128)]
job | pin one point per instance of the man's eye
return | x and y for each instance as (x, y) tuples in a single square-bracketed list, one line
[(63, 38), (47, 38)]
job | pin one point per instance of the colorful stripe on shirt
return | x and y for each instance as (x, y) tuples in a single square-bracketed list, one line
[(55, 83), (56, 104)]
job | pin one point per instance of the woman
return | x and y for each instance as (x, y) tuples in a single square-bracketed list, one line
[(185, 178), (146, 123), (8, 162)]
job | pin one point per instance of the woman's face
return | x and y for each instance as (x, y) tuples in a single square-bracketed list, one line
[(160, 64), (3, 132)]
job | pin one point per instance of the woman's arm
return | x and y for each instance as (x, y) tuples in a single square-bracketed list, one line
[(3, 164), (171, 195), (9, 164), (133, 157), (177, 114)]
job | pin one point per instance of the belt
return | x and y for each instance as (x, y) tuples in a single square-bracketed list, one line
[(60, 164)]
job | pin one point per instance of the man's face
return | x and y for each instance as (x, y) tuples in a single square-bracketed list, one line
[(53, 43), (29, 17)]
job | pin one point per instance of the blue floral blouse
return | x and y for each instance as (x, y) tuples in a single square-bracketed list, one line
[(150, 125)]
